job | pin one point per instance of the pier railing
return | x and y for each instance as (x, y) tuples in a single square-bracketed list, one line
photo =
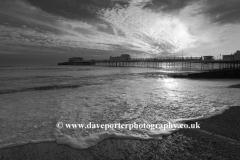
[(169, 58), (163, 62)]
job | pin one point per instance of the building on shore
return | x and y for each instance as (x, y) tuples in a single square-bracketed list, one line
[(235, 56), (75, 59), (123, 57), (208, 58), (228, 57)]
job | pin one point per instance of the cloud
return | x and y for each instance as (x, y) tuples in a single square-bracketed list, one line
[(75, 9), (43, 29), (168, 5), (172, 26), (224, 11), (151, 31), (156, 27)]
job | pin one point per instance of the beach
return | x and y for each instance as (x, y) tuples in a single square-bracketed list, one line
[(119, 80), (217, 138), (33, 100)]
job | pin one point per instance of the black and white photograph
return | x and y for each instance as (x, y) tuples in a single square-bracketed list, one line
[(119, 79)]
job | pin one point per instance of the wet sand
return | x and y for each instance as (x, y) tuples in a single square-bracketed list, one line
[(218, 139)]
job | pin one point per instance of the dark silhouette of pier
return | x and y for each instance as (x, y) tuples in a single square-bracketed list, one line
[(165, 62)]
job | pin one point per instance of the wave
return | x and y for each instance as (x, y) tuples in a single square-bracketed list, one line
[(94, 138), (86, 142), (40, 88), (31, 78)]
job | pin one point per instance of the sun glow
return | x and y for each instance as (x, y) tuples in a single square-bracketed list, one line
[(153, 31)]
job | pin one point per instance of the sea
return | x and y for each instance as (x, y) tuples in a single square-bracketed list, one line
[(34, 99)]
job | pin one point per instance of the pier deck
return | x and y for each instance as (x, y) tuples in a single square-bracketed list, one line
[(178, 62)]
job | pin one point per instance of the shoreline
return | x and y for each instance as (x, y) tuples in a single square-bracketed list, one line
[(217, 138)]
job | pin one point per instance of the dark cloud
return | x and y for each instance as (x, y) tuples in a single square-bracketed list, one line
[(221, 11), (74, 9), (168, 5), (15, 14), (224, 11)]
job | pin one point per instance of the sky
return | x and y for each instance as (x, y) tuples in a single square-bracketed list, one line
[(47, 32)]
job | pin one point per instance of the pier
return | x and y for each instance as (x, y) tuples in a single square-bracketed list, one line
[(166, 62)]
